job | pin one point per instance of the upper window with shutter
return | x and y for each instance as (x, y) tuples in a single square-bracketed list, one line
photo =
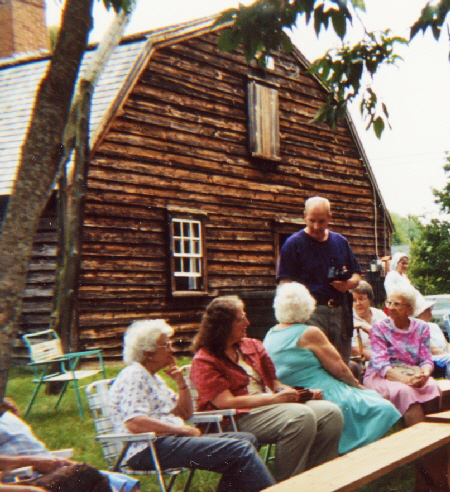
[(264, 120)]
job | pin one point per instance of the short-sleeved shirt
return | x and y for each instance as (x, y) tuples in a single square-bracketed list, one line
[(17, 439), (377, 315), (393, 347), (137, 393), (212, 375), (437, 337), (305, 260)]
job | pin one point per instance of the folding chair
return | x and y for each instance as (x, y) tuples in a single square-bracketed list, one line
[(45, 350), (360, 359), (229, 413), (115, 446)]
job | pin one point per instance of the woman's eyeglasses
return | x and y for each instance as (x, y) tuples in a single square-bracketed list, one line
[(395, 304), (167, 346)]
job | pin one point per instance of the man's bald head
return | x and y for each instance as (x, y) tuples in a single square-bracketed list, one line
[(317, 201)]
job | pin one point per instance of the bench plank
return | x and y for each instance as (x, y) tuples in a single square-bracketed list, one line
[(366, 464), (444, 384), (439, 418)]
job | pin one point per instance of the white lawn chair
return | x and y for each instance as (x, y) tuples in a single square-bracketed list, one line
[(115, 446), (45, 351)]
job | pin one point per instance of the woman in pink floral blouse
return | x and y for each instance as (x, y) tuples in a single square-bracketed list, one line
[(401, 361)]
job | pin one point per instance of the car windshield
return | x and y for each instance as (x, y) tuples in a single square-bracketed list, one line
[(442, 304)]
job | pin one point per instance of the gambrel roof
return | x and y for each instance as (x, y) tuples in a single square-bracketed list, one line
[(19, 79)]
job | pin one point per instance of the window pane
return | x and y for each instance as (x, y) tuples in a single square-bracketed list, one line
[(187, 252)]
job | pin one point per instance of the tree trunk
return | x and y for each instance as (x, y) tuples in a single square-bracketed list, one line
[(67, 285), (38, 170)]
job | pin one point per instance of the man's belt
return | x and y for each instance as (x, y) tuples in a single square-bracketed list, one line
[(331, 303)]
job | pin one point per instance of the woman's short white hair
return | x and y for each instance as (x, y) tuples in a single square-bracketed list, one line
[(293, 303), (407, 293), (142, 336)]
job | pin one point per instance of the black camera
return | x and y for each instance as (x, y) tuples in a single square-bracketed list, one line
[(338, 274)]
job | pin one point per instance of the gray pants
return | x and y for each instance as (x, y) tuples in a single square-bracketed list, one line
[(334, 324), (305, 435)]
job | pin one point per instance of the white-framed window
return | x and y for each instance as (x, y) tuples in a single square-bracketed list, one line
[(187, 255), (264, 124)]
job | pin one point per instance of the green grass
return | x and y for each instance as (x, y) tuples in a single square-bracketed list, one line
[(64, 428)]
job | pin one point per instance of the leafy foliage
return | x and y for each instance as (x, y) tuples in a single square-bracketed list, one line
[(433, 16), (430, 259), (119, 5), (407, 229), (261, 29), (342, 71), (443, 197), (430, 255)]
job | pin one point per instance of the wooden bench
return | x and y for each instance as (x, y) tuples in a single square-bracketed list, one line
[(444, 384), (427, 442)]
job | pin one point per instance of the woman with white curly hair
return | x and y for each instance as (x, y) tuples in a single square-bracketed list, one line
[(401, 364), (303, 356), (140, 401)]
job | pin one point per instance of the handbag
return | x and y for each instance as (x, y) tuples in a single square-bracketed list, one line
[(408, 370)]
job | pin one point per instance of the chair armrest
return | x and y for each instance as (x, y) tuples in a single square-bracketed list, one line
[(198, 418), (85, 353), (20, 473), (226, 412), (63, 453), (121, 438)]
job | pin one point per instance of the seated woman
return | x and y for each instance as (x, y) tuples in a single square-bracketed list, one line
[(140, 401), (231, 371), (303, 356), (364, 316), (401, 361), (440, 348)]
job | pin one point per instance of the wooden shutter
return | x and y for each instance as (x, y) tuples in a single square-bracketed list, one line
[(264, 120)]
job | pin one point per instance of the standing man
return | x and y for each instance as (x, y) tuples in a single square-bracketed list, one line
[(313, 255)]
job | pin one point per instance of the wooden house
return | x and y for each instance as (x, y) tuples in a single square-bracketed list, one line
[(200, 167)]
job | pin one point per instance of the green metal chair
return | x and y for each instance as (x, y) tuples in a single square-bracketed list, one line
[(45, 351)]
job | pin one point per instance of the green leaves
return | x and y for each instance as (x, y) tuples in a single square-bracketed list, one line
[(260, 28), (343, 70), (433, 16), (119, 5)]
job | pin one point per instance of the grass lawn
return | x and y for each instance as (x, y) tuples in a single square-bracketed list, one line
[(64, 428)]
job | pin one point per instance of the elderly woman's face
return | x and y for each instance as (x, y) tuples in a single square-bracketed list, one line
[(361, 303), (402, 265), (163, 355), (239, 327), (398, 308)]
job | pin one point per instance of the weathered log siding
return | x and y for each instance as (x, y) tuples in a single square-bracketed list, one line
[(181, 141), (40, 287)]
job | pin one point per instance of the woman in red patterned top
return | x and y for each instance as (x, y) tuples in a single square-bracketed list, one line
[(232, 371)]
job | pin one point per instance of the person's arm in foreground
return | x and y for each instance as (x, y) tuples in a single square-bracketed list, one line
[(41, 464), (20, 488)]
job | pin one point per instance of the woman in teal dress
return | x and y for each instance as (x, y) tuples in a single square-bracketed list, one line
[(303, 356)]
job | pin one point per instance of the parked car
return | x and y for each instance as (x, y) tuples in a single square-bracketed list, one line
[(441, 307)]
